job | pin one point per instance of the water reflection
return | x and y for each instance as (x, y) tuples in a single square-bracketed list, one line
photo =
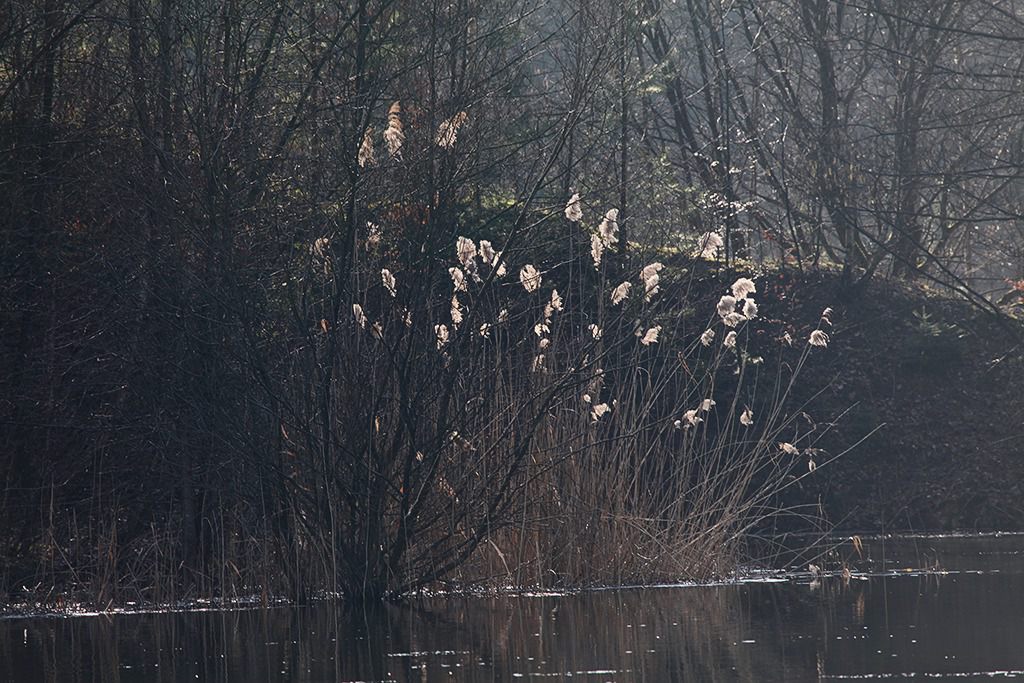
[(967, 624)]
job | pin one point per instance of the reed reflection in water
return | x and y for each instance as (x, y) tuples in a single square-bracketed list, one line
[(967, 624)]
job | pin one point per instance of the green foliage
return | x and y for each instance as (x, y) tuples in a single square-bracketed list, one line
[(932, 343)]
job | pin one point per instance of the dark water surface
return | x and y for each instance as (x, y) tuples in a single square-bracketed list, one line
[(963, 621)]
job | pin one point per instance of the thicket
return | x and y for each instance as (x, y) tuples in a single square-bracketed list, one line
[(315, 298)]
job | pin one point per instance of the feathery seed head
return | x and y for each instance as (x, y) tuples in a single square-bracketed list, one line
[(357, 313), (733, 319), (393, 134), (749, 309), (556, 300), (596, 250), (609, 228), (366, 155), (709, 244), (573, 212), (458, 278), (691, 419), (747, 417), (448, 131), (650, 277), (441, 332), (651, 336), (726, 305), (486, 251), (465, 250), (743, 287), (530, 278), (388, 280), (620, 293), (456, 312)]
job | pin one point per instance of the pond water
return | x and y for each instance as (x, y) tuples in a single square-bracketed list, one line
[(930, 608)]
